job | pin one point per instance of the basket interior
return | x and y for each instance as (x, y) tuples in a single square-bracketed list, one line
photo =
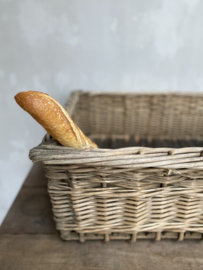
[(160, 120)]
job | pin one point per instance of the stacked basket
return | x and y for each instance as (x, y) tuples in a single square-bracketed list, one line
[(146, 179)]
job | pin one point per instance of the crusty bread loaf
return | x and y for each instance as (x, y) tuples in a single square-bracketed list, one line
[(54, 118)]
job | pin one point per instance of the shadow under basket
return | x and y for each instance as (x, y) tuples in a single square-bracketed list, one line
[(145, 181)]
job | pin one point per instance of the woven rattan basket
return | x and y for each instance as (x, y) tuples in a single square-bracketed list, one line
[(146, 179)]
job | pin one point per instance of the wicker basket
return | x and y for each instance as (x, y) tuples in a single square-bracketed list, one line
[(146, 179)]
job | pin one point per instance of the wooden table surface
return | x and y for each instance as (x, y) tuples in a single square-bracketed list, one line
[(29, 240)]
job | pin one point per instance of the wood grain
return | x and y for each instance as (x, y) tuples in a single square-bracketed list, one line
[(36, 177), (48, 252), (30, 213)]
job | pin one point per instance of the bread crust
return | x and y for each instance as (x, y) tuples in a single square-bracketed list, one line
[(54, 118)]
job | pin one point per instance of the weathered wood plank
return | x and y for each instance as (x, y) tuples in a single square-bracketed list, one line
[(30, 213), (36, 177), (47, 252)]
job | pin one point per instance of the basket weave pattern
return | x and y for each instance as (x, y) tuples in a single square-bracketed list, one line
[(129, 192)]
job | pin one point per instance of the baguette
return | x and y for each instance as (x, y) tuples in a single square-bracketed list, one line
[(54, 118)]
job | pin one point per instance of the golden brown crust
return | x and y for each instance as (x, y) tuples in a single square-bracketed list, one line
[(54, 118)]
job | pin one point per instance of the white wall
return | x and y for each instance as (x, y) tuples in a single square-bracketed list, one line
[(117, 45)]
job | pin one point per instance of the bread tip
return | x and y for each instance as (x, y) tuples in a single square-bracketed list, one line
[(17, 97), (19, 94), (20, 97), (22, 94)]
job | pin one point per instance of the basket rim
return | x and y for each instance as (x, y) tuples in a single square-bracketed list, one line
[(138, 93), (49, 152)]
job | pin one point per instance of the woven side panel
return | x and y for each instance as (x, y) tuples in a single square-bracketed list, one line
[(81, 113), (145, 116), (88, 200)]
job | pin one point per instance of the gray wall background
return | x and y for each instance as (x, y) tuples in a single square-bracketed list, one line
[(116, 45)]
